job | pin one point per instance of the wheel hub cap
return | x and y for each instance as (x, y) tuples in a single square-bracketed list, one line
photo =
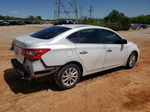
[(70, 76), (132, 60)]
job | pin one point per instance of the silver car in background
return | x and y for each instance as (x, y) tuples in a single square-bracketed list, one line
[(68, 52)]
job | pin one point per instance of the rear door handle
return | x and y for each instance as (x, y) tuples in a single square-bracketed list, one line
[(83, 52), (109, 50)]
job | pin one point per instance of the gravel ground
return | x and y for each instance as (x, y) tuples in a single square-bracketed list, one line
[(116, 90)]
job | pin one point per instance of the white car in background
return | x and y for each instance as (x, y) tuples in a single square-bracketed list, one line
[(68, 52)]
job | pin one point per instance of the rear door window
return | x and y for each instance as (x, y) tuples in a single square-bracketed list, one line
[(90, 36)]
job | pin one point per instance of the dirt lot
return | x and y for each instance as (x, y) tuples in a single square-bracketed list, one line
[(117, 90)]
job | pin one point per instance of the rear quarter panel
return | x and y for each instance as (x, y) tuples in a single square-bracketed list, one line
[(60, 55)]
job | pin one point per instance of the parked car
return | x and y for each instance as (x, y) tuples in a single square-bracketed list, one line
[(59, 22), (16, 22), (3, 22), (70, 22), (68, 52), (134, 27), (36, 22), (28, 22), (143, 26), (139, 26)]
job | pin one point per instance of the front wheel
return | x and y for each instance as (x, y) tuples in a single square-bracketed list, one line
[(131, 60), (68, 76)]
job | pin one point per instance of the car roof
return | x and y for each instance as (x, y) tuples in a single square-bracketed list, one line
[(73, 26)]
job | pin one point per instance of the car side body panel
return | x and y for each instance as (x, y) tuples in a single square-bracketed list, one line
[(115, 55), (91, 55)]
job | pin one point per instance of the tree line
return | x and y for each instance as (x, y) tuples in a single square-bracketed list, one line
[(115, 20), (29, 18), (142, 19)]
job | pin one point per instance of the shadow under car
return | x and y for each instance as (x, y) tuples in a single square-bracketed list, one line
[(18, 85)]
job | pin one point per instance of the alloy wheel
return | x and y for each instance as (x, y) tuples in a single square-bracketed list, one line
[(70, 76)]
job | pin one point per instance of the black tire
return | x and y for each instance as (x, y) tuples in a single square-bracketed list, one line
[(68, 76), (131, 60)]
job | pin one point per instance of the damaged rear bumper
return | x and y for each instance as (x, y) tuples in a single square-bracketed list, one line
[(27, 70)]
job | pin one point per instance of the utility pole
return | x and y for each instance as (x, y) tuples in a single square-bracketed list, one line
[(81, 14), (75, 9), (57, 9), (91, 11)]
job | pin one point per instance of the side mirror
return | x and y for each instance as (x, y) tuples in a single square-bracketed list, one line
[(124, 41)]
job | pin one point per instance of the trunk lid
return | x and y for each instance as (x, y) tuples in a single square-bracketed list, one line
[(27, 40), (24, 42)]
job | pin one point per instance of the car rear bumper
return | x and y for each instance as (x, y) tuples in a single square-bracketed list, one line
[(19, 68), (28, 73)]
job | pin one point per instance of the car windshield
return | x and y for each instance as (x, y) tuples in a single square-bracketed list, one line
[(50, 32)]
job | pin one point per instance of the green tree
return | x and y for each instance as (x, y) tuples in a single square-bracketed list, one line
[(142, 19), (38, 18), (31, 18), (117, 21), (2, 17)]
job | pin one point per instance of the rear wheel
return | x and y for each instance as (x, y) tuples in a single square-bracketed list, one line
[(68, 76), (131, 60)]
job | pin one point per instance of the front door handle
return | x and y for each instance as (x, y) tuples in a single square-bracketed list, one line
[(109, 50), (83, 52)]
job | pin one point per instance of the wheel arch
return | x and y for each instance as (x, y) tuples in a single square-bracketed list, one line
[(77, 63), (134, 51)]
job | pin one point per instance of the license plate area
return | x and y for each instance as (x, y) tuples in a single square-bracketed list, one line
[(18, 54)]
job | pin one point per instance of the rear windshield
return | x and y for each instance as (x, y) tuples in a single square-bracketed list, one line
[(50, 32)]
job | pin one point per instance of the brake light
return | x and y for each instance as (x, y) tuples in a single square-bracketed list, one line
[(34, 53)]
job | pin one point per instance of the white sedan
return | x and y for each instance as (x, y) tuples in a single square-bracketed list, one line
[(68, 52)]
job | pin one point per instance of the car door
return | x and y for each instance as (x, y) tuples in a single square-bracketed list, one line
[(90, 50), (115, 50)]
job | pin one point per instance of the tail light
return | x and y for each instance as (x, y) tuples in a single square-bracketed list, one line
[(34, 53)]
